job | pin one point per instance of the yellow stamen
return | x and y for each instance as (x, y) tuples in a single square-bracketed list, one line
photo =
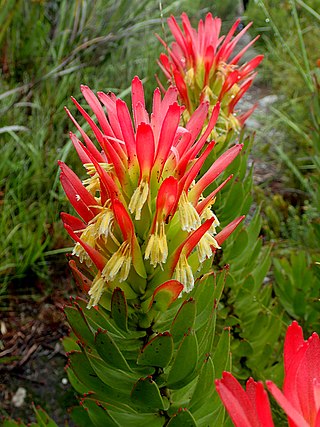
[(189, 78), (157, 248), (103, 223), (119, 264), (208, 214), (183, 273), (93, 183), (139, 198), (189, 217), (204, 246), (96, 290), (88, 237)]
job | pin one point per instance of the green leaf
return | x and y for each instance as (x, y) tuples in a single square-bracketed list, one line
[(80, 416), (114, 378), (184, 363), (98, 414), (184, 319), (119, 309), (12, 423), (141, 419), (221, 356), (205, 385), (83, 370), (79, 324), (146, 393), (182, 419), (43, 418), (98, 318), (109, 351), (157, 352)]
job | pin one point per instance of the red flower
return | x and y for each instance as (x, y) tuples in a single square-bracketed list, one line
[(300, 398), (202, 65), (247, 408), (142, 211)]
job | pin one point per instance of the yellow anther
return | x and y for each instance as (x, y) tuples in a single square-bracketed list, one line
[(93, 183), (138, 199), (102, 223), (119, 264), (204, 246), (88, 237), (157, 248), (189, 217), (183, 273), (189, 78), (96, 290), (208, 214)]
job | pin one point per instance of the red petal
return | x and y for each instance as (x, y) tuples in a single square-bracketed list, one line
[(137, 94), (236, 59), (243, 117), (74, 223), (177, 34), (81, 280), (110, 105), (182, 88), (168, 130), (96, 257), (190, 243), (195, 149), (172, 287), (221, 53), (91, 147), (295, 416), (195, 168), (293, 341), (96, 107), (126, 129), (236, 401), (214, 171), (260, 402), (145, 149), (196, 121), (204, 203), (228, 229), (123, 219), (94, 127), (239, 95), (166, 199), (79, 197)]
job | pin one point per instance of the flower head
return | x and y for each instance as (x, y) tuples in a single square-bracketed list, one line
[(300, 398), (142, 208), (203, 66), (247, 408)]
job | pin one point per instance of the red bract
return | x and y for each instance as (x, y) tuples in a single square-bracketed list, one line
[(247, 408), (300, 398), (203, 65), (141, 194)]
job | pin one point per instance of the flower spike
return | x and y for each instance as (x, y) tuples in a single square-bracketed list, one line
[(142, 207), (198, 64)]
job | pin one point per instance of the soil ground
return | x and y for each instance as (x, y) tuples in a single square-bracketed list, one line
[(32, 359)]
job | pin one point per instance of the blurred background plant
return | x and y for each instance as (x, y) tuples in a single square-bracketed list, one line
[(289, 138)]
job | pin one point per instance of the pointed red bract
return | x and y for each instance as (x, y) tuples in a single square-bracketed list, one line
[(250, 408), (301, 387), (172, 288)]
